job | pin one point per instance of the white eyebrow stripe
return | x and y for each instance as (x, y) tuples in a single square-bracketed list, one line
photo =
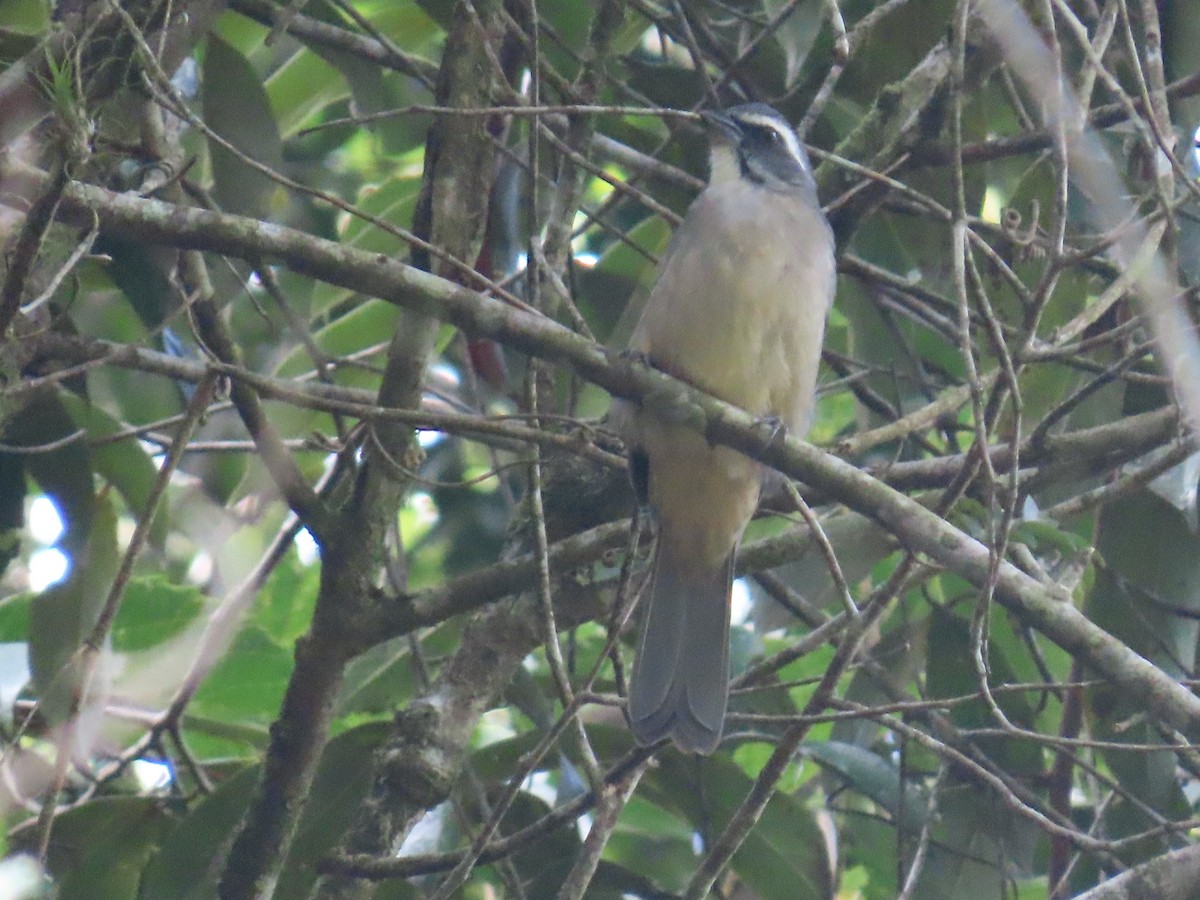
[(789, 135)]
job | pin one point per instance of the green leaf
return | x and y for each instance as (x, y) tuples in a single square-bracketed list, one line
[(99, 849), (284, 606), (1146, 594), (951, 673), (797, 34), (900, 653), (392, 201), (858, 543), (26, 18), (784, 856), (186, 866), (248, 683), (188, 863), (544, 864), (236, 108), (14, 616), (606, 287), (378, 680), (302, 86), (139, 271), (154, 610), (341, 783), (65, 613), (374, 88), (125, 465), (63, 472), (874, 777), (12, 507), (349, 333), (653, 844)]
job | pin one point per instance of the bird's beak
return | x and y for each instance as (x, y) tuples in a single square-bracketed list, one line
[(722, 129)]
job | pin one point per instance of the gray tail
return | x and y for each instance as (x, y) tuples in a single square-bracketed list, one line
[(680, 683)]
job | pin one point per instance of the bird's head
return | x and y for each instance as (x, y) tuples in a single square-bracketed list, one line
[(754, 142)]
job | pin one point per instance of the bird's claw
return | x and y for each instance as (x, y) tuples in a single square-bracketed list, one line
[(774, 427)]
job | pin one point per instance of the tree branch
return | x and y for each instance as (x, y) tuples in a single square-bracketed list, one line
[(914, 526), (1172, 876)]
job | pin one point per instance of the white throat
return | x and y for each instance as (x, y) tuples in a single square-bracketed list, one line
[(723, 165)]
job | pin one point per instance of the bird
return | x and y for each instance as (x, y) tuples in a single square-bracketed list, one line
[(738, 309)]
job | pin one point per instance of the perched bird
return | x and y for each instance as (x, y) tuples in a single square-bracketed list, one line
[(738, 310)]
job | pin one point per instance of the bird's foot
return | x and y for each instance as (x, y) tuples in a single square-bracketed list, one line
[(773, 427)]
